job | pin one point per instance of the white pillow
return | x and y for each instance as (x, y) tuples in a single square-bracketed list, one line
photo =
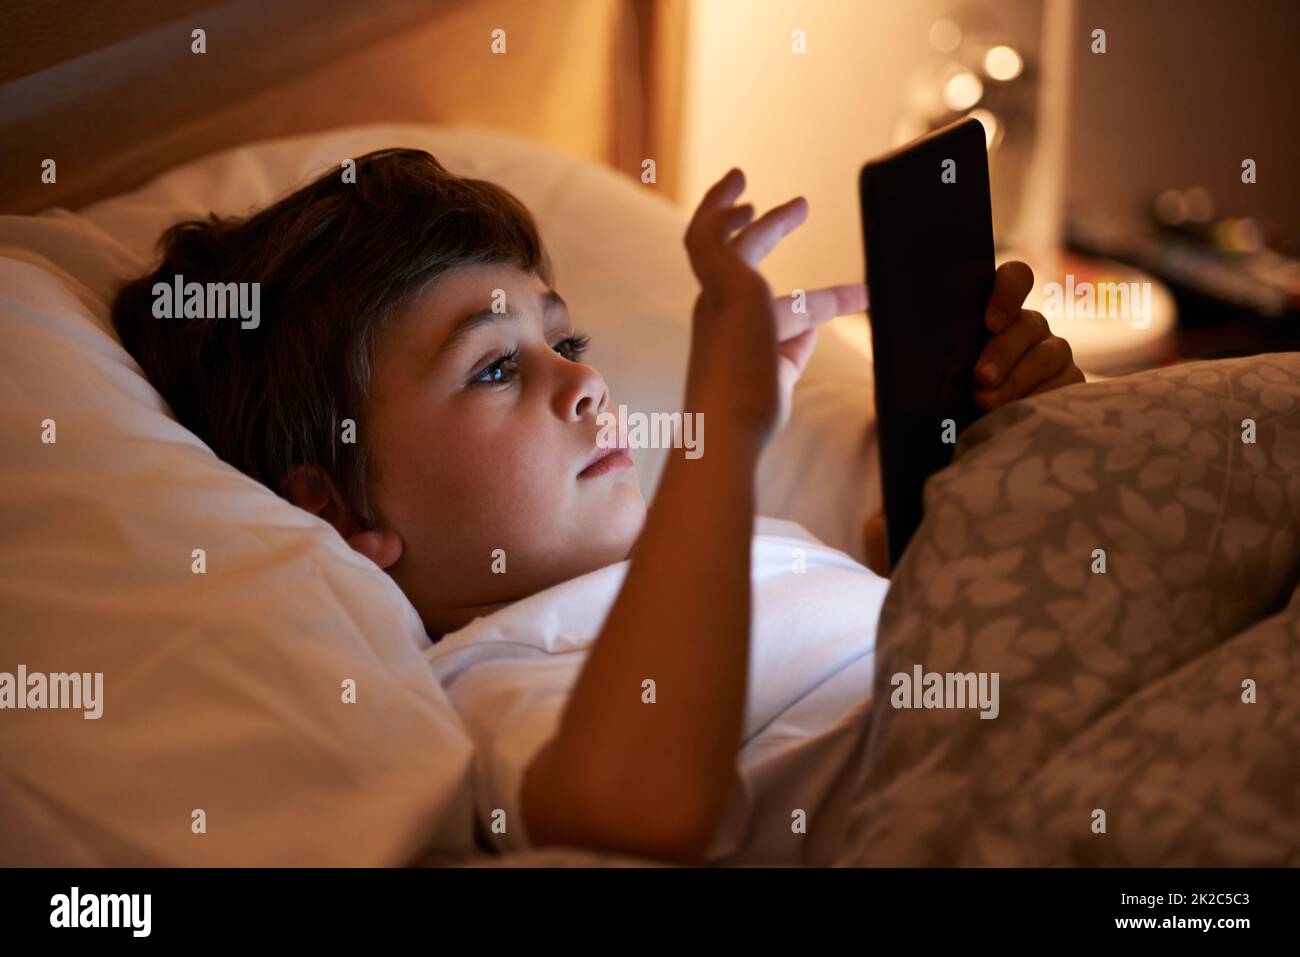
[(223, 691)]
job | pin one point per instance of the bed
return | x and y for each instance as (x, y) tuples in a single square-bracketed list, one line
[(1126, 555), (115, 95), (1162, 692), (246, 659)]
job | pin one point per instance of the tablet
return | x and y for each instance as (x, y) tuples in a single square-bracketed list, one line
[(927, 230)]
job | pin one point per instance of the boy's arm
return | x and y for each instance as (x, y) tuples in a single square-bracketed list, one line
[(653, 779)]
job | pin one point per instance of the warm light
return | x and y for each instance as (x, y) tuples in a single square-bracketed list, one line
[(945, 36), (1239, 235), (1171, 207), (991, 126), (963, 90), (1200, 207), (1003, 63)]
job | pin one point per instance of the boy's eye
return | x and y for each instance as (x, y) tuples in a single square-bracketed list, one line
[(503, 368), (499, 370), (573, 347)]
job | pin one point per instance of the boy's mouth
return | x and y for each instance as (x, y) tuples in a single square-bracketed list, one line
[(604, 461)]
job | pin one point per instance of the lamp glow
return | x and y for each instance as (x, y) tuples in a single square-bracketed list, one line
[(1003, 63), (963, 90)]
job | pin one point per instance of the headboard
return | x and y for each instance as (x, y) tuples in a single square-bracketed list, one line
[(115, 92)]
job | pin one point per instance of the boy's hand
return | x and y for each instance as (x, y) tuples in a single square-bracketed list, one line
[(798, 331), (1023, 357), (748, 349)]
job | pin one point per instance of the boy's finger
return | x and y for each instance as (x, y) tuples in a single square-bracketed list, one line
[(713, 221), (820, 305), (760, 237), (1070, 375), (796, 351), (829, 301), (1003, 351), (706, 222), (723, 193), (1011, 284), (1039, 365), (735, 217)]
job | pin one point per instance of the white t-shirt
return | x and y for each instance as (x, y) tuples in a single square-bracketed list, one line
[(812, 646)]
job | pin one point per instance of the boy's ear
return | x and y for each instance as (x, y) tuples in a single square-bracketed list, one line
[(310, 488), (383, 546)]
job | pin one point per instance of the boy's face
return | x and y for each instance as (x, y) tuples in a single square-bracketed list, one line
[(472, 452)]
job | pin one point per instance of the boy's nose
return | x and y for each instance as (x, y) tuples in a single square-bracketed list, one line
[(584, 394)]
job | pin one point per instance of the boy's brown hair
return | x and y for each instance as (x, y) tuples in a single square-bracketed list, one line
[(334, 261)]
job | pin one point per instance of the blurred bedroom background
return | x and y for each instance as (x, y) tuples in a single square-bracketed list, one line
[(1122, 165)]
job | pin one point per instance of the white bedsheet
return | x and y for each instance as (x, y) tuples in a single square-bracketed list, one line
[(812, 653)]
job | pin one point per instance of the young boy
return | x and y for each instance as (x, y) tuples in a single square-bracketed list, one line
[(477, 432)]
